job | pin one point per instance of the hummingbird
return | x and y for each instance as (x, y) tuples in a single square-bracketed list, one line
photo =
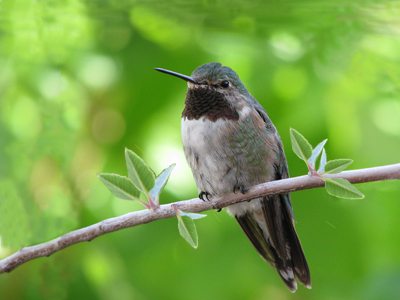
[(230, 145)]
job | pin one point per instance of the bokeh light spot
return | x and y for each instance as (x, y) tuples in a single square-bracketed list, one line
[(51, 84), (386, 116), (25, 119), (383, 45), (116, 38), (286, 46), (98, 72), (108, 126)]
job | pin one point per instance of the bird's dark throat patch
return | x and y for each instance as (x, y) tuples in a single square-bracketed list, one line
[(208, 103)]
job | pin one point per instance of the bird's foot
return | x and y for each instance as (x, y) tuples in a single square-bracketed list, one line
[(202, 194), (240, 188)]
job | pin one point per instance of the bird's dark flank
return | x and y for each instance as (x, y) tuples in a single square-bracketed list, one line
[(231, 144)]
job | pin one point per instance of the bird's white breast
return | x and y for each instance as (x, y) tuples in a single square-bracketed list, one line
[(204, 144), (206, 150)]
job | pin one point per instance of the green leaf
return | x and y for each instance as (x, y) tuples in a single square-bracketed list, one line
[(300, 145), (337, 165), (160, 182), (194, 216), (316, 152), (187, 230), (139, 172), (322, 162), (342, 188), (120, 186)]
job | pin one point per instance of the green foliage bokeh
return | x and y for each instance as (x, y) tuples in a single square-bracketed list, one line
[(77, 86)]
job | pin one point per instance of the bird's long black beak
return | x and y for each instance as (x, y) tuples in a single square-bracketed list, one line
[(184, 77)]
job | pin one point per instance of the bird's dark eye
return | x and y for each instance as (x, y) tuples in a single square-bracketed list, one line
[(225, 84), (204, 82)]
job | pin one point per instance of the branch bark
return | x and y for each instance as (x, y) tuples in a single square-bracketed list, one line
[(194, 205)]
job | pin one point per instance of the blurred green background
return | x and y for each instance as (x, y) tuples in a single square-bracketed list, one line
[(77, 85)]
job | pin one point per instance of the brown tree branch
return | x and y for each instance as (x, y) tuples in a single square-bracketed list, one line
[(194, 205)]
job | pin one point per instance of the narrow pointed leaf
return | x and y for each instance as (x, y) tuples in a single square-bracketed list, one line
[(161, 181), (316, 152), (120, 186), (337, 165), (300, 145), (342, 188), (193, 216), (187, 230), (322, 162), (139, 172)]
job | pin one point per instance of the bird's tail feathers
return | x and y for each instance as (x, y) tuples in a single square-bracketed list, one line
[(274, 237)]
